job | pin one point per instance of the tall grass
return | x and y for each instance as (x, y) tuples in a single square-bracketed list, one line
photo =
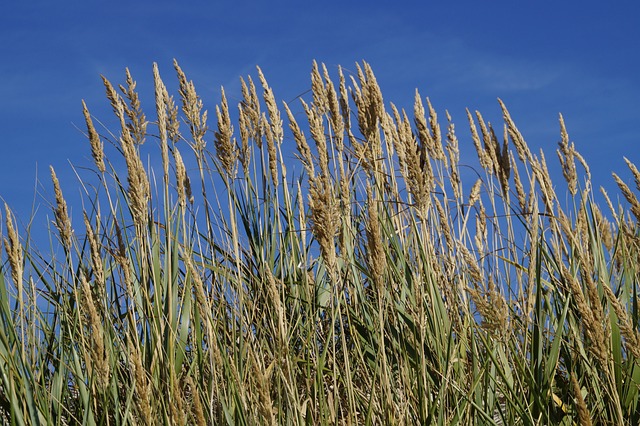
[(364, 283)]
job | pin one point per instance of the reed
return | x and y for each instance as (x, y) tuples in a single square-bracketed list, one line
[(371, 280)]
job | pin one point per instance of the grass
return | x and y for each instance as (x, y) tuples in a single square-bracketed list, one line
[(364, 283)]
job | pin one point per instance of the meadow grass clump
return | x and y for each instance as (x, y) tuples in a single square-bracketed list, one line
[(370, 281)]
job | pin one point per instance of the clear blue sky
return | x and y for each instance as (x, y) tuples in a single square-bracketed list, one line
[(542, 58)]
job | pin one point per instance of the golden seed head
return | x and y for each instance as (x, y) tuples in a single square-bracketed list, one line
[(96, 258), (474, 195), (63, 223), (250, 106), (630, 334), (275, 121), (492, 307), (524, 154), (99, 360), (244, 153), (376, 254), (271, 151), (454, 158), (335, 116), (142, 386), (139, 187), (14, 250), (94, 140), (629, 196), (634, 171), (324, 217), (161, 112), (566, 154), (182, 180), (483, 156), (584, 416), (316, 127), (301, 143), (429, 134), (522, 196), (192, 107), (137, 119), (594, 329), (225, 146), (319, 91)]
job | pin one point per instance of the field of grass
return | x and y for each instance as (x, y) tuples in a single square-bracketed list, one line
[(216, 279)]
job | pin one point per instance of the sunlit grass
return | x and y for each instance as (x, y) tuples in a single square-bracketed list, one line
[(363, 283)]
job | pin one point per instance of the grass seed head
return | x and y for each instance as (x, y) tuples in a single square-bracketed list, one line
[(97, 264), (63, 223), (97, 151), (524, 154), (136, 116), (629, 332), (301, 144), (14, 250), (324, 217), (99, 359), (634, 171), (584, 417), (566, 155), (376, 253), (182, 180), (224, 143), (192, 107), (629, 196), (593, 328)]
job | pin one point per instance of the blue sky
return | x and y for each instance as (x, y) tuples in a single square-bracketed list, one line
[(542, 58)]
